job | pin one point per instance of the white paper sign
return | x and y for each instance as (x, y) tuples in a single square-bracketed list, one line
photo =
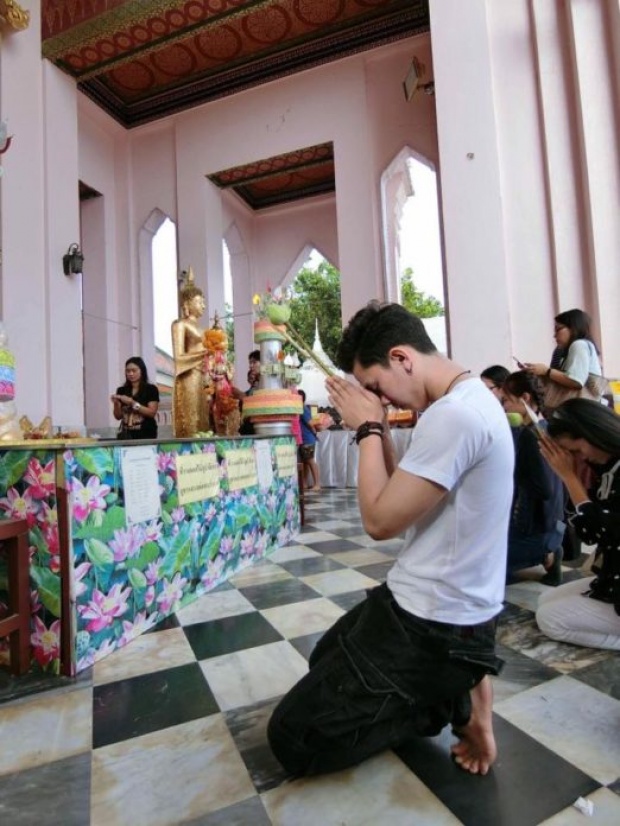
[(140, 485), (264, 468)]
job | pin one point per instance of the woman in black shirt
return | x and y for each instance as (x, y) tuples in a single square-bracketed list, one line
[(587, 612), (136, 403)]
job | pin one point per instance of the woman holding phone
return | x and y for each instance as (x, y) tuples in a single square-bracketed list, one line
[(579, 372), (587, 612)]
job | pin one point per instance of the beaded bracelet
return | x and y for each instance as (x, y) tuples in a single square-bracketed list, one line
[(367, 429)]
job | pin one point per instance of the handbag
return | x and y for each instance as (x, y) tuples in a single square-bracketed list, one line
[(594, 388)]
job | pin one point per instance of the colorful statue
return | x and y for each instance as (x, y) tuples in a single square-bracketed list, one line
[(190, 401), (224, 406)]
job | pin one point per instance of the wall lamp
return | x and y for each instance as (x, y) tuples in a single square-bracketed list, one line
[(73, 260), (413, 81)]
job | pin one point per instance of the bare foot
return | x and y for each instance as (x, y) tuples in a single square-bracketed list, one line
[(476, 750), (316, 487)]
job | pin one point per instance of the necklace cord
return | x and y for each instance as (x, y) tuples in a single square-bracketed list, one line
[(454, 380)]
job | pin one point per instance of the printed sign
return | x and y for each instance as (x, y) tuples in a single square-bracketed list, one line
[(241, 468), (262, 449), (140, 484), (198, 477), (286, 460)]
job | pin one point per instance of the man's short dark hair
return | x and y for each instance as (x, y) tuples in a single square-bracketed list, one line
[(374, 330), (254, 355)]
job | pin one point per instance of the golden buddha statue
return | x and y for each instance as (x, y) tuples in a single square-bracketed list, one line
[(190, 410)]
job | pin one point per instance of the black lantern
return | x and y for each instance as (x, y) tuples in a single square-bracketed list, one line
[(73, 260)]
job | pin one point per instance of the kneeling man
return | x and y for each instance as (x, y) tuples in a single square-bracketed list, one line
[(416, 654)]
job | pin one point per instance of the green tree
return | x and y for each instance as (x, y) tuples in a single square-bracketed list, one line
[(316, 297), (414, 300)]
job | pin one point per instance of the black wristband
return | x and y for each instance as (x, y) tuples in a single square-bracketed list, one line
[(359, 438), (366, 429)]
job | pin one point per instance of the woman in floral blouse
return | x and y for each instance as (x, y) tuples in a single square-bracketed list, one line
[(587, 611)]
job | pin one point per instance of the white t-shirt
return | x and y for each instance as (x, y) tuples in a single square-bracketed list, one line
[(452, 567), (581, 360)]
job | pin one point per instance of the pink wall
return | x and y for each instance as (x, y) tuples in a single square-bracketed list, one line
[(523, 127), (527, 109)]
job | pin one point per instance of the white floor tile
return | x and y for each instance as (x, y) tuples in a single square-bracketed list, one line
[(572, 719), (259, 673)]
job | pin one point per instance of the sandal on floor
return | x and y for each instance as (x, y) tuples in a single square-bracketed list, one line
[(553, 577)]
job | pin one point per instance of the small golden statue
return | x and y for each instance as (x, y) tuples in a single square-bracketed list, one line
[(190, 406), (224, 406)]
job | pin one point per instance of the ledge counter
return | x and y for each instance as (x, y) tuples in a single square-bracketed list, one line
[(122, 534)]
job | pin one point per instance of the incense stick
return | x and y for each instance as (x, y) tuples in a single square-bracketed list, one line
[(303, 349), (317, 360)]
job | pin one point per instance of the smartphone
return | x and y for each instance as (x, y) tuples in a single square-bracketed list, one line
[(519, 364)]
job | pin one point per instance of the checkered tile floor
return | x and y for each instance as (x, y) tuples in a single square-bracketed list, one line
[(171, 729)]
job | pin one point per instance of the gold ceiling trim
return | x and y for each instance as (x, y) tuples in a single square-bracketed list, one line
[(89, 34)]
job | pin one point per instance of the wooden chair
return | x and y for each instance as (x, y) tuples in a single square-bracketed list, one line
[(14, 539)]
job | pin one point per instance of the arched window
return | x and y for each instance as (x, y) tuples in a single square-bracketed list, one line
[(413, 261)]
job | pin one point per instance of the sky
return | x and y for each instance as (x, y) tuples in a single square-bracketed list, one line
[(420, 250), (420, 238), (165, 295)]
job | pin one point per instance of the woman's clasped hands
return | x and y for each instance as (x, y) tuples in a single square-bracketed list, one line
[(115, 397), (559, 459)]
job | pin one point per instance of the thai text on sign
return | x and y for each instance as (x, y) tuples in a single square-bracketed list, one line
[(241, 468), (286, 460), (198, 477)]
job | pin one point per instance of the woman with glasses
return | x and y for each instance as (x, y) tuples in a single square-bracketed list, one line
[(494, 377), (579, 372), (587, 611), (536, 519)]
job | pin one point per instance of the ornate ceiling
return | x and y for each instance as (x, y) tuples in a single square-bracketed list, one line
[(141, 60), (282, 178)]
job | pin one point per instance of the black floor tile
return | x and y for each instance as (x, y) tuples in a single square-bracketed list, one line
[(311, 565), (167, 623), (521, 672), (248, 727), (348, 600), (307, 528), (56, 794), (278, 593), (305, 645), (378, 571), (333, 546), (514, 615), (604, 676), (150, 702), (615, 786), (526, 785), (344, 533), (223, 636), (571, 575), (35, 682)]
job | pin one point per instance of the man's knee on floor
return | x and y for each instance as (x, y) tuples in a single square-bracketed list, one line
[(284, 744)]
